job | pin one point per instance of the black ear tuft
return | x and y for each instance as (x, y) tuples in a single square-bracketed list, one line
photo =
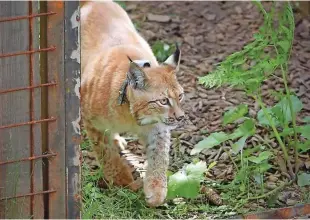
[(177, 54), (135, 76)]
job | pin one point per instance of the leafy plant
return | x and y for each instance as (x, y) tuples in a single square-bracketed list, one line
[(245, 130), (186, 182), (257, 62), (247, 69), (234, 114)]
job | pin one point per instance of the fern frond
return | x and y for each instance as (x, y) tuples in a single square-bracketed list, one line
[(255, 63)]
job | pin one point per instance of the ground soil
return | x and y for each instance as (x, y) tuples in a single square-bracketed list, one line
[(208, 32)]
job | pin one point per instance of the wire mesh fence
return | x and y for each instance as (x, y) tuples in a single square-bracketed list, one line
[(39, 109)]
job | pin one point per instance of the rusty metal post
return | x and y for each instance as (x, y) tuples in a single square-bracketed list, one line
[(56, 167), (72, 105), (298, 211)]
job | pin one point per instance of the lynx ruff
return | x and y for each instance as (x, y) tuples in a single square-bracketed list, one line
[(120, 95)]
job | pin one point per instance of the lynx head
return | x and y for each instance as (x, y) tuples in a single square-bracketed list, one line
[(154, 93)]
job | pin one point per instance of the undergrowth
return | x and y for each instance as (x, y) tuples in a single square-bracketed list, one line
[(248, 69)]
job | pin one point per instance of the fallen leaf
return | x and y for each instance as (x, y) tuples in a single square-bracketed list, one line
[(303, 179)]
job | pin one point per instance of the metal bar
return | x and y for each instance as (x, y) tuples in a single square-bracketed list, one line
[(44, 104), (28, 123), (29, 158), (29, 194), (72, 104), (31, 106), (28, 52), (27, 16), (28, 87), (37, 172)]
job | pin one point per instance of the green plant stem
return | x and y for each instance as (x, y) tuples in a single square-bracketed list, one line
[(259, 101), (288, 96), (261, 8), (232, 160), (290, 104), (272, 191)]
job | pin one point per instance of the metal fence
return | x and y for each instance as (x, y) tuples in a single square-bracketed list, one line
[(39, 109)]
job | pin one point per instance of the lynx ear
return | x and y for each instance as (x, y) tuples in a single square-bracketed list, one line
[(175, 58), (135, 76)]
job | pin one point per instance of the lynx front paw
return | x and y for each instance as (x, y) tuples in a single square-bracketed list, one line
[(155, 194), (156, 197)]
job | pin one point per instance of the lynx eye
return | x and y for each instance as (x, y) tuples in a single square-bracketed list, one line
[(164, 101), (181, 96)]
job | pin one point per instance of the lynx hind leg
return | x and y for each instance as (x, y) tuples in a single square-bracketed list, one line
[(116, 170)]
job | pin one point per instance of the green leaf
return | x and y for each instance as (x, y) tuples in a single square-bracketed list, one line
[(284, 105), (180, 185), (306, 119), (305, 131), (303, 179), (258, 36), (286, 30), (209, 142), (258, 177), (247, 128), (235, 114), (261, 157), (263, 167), (286, 132), (304, 147), (280, 113), (238, 146), (242, 188), (196, 170), (186, 183), (285, 45), (247, 152), (262, 119)]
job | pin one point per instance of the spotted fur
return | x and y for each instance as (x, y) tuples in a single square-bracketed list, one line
[(153, 96)]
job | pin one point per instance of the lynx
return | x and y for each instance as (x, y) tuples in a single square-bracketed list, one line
[(125, 89)]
